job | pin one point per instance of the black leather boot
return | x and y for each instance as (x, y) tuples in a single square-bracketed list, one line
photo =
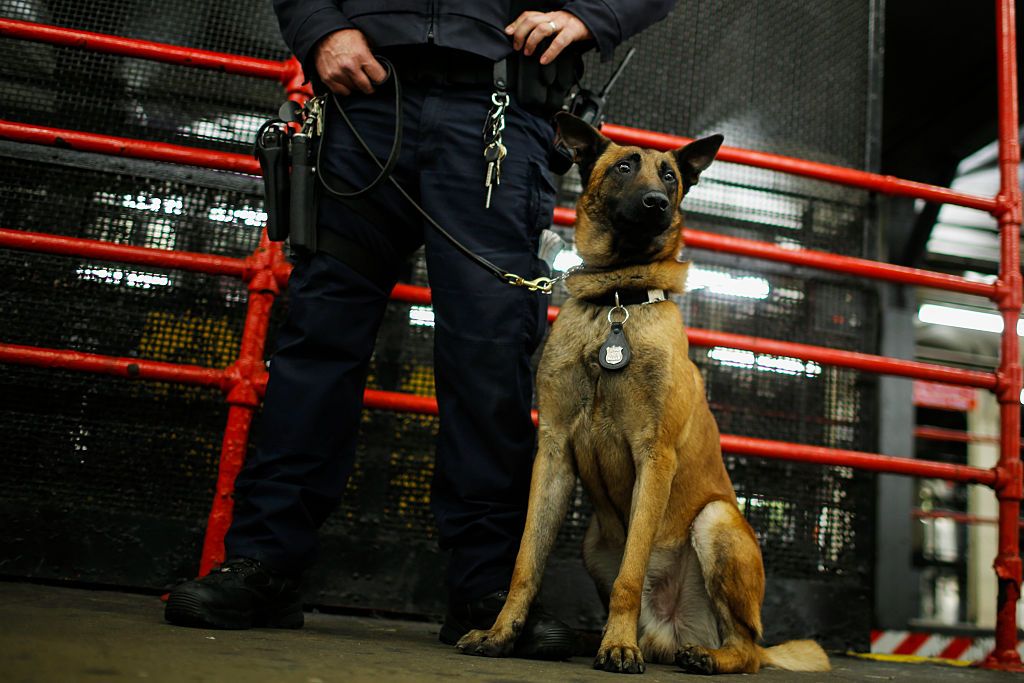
[(241, 593), (543, 636)]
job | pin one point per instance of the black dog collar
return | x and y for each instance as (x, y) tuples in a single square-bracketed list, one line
[(629, 297)]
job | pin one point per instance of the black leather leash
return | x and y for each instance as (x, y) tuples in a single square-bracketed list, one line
[(540, 284)]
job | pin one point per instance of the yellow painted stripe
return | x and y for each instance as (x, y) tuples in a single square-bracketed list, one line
[(908, 659)]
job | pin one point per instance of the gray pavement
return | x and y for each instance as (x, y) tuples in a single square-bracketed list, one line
[(64, 635)]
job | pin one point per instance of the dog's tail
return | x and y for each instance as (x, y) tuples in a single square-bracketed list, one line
[(795, 655)]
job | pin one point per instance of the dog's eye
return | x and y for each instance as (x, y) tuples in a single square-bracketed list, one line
[(623, 167), (669, 176)]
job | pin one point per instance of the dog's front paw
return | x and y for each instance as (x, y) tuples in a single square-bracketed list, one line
[(486, 643), (695, 660), (623, 659)]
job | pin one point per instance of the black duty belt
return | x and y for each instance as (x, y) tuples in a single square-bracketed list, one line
[(432, 65)]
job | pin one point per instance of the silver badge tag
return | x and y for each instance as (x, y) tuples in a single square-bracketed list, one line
[(613, 355)]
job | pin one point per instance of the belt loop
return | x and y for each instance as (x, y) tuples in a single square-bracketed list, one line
[(501, 75)]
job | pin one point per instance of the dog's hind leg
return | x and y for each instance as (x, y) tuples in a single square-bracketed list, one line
[(551, 485), (730, 562)]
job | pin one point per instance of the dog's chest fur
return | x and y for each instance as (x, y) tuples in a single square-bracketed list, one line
[(608, 415)]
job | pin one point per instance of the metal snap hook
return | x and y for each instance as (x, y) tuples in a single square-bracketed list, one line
[(618, 307)]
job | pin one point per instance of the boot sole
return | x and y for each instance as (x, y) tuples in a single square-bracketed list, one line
[(187, 610)]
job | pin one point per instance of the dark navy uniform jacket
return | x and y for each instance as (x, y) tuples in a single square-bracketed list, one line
[(476, 26)]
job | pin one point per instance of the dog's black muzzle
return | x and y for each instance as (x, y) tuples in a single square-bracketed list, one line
[(655, 202), (645, 217)]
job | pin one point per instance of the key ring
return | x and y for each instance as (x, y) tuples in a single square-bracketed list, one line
[(618, 307)]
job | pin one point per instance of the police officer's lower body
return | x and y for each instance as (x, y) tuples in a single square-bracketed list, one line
[(485, 332)]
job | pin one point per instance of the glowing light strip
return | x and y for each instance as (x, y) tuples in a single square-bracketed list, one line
[(964, 318), (766, 363), (129, 278)]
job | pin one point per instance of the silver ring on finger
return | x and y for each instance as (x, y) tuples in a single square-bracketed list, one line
[(553, 25)]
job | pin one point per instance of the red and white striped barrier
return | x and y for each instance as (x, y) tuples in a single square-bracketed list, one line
[(933, 645)]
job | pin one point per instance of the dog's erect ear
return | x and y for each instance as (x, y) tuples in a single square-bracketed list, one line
[(695, 157), (585, 141)]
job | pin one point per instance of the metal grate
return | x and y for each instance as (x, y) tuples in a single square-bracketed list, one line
[(790, 79)]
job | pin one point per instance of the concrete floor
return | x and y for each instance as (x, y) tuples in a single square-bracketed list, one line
[(64, 635)]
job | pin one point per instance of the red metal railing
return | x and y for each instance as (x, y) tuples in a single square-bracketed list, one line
[(958, 517), (955, 435), (421, 295), (266, 271), (144, 49)]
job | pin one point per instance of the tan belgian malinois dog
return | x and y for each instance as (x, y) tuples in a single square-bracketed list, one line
[(622, 406)]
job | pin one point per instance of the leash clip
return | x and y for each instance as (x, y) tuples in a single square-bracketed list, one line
[(540, 284)]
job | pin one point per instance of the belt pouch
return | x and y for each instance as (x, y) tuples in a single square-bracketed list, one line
[(272, 153), (303, 193)]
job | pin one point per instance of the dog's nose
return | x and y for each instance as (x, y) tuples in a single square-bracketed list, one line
[(656, 200)]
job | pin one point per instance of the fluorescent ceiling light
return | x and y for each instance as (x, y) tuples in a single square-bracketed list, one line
[(421, 315), (719, 282), (247, 215), (964, 318), (764, 362), (118, 277), (724, 283), (565, 260), (230, 127), (749, 205)]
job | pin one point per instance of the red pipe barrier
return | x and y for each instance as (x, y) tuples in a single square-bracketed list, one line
[(411, 294), (955, 435), (134, 368), (871, 462), (126, 147), (958, 517), (841, 264), (809, 169), (246, 383), (228, 161), (835, 357), (398, 402), (296, 87), (821, 260), (742, 445), (282, 71), (1007, 564), (827, 356), (845, 359), (421, 296), (247, 397), (143, 256), (232, 456), (143, 49)]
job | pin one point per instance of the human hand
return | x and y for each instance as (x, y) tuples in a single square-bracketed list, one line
[(345, 63), (530, 28)]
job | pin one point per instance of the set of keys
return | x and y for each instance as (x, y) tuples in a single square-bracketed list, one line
[(493, 154), (494, 150)]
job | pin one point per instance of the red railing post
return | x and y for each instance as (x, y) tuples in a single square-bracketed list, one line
[(268, 274), (1008, 297), (294, 81), (245, 382)]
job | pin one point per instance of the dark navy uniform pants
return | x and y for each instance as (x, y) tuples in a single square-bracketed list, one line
[(485, 333)]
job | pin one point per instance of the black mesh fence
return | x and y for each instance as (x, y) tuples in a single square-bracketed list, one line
[(110, 480)]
